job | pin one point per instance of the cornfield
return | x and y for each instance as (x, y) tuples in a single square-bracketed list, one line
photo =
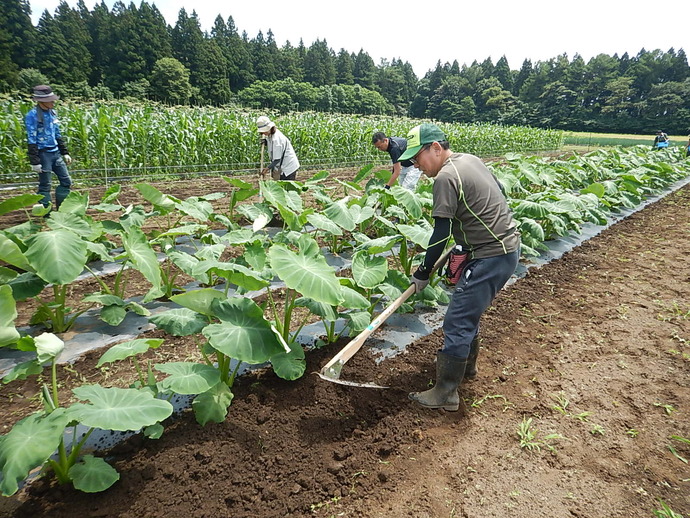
[(120, 139)]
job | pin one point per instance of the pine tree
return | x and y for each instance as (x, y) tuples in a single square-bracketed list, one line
[(17, 40)]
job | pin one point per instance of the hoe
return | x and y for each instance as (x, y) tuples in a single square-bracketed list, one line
[(331, 371)]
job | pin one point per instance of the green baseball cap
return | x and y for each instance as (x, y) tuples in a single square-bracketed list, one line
[(419, 136)]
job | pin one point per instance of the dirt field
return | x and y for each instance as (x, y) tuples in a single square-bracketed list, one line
[(594, 348)]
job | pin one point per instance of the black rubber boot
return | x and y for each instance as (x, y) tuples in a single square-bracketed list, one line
[(449, 373), (471, 369)]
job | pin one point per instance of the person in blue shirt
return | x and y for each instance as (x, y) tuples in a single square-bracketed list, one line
[(47, 150), (661, 140)]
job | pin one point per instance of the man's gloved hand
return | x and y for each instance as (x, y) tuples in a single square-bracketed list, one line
[(387, 187), (67, 159), (420, 279), (36, 168)]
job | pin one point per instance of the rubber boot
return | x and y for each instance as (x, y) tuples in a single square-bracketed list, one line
[(449, 373), (471, 369)]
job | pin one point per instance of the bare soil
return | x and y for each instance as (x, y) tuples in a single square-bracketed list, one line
[(593, 347)]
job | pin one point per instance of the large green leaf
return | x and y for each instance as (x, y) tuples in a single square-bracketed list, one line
[(93, 475), (418, 234), (198, 300), (352, 299), (244, 333), (130, 348), (8, 314), (368, 271), (180, 321), (409, 200), (119, 409), (28, 445), (66, 221), (57, 256), (340, 214), (162, 202), (238, 275), (12, 254), (19, 202), (321, 222), (290, 366), (310, 276), (27, 285), (212, 405), (187, 377), (48, 347), (142, 256)]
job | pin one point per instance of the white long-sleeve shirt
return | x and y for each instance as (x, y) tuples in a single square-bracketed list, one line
[(277, 143)]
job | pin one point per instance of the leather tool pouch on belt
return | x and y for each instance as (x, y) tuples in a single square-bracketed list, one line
[(456, 262)]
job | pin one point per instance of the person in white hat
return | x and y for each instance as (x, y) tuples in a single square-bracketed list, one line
[(47, 150), (283, 162)]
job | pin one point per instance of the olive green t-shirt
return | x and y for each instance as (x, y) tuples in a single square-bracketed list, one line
[(469, 194)]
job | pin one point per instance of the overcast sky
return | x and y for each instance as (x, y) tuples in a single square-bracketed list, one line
[(422, 33)]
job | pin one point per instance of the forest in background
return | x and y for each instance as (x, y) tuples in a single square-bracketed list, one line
[(131, 52)]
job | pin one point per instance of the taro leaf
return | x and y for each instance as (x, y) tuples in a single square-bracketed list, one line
[(143, 257), (361, 214), (376, 246), (212, 405), (12, 254), (325, 311), (48, 347), (187, 377), (137, 308), (352, 299), (199, 210), (119, 409), (71, 222), (529, 209), (19, 202), (244, 333), (180, 322), (322, 222), (161, 202), (113, 315), (363, 173), (28, 445), (310, 276), (418, 234), (184, 261), (76, 203), (386, 222), (255, 255), (212, 252), (280, 197), (290, 366), (7, 274), (58, 256), (155, 431), (238, 237), (98, 250), (357, 321), (198, 300), (340, 214), (184, 230), (595, 188), (368, 271), (255, 211), (23, 371), (409, 200), (239, 275), (130, 348), (93, 475), (393, 292), (533, 228), (8, 314), (111, 193)]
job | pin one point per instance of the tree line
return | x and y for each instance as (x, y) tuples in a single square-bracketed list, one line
[(130, 51)]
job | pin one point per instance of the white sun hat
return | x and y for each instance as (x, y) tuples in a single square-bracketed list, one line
[(264, 124)]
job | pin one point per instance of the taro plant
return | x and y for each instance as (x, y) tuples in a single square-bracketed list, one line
[(39, 440), (236, 333)]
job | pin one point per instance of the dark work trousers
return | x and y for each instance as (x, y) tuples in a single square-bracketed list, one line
[(479, 283)]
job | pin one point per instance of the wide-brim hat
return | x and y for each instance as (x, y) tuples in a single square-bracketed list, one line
[(44, 94), (263, 124), (419, 136)]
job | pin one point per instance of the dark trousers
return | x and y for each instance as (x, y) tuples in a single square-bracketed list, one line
[(52, 162), (479, 283)]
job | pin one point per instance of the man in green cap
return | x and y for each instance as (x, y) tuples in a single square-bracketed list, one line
[(469, 205)]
